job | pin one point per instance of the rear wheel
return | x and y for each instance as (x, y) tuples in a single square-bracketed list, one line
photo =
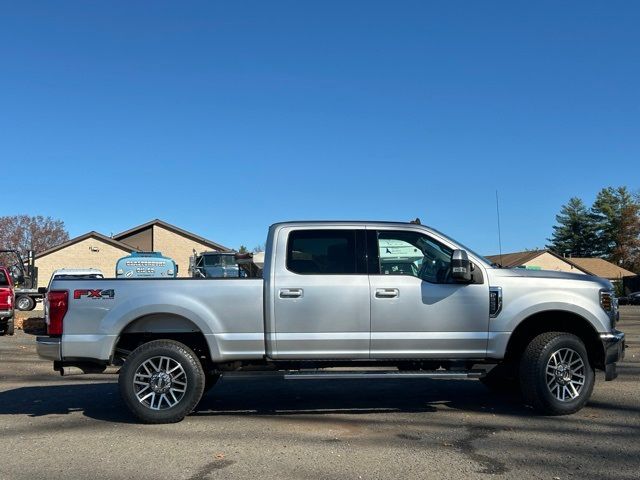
[(555, 375), (162, 381), (10, 330)]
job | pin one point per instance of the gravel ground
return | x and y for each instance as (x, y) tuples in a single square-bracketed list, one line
[(77, 428)]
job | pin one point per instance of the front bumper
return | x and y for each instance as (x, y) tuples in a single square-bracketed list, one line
[(613, 344), (6, 314), (49, 348)]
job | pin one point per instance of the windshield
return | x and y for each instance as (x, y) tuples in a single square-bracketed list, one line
[(464, 247)]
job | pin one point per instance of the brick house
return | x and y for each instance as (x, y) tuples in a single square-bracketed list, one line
[(95, 250)]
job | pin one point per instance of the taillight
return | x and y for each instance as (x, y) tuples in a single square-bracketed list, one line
[(58, 303)]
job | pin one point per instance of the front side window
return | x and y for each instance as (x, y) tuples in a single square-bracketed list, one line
[(322, 252), (415, 254)]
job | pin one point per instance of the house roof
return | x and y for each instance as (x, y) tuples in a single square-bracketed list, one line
[(592, 266), (92, 234), (601, 268), (173, 228), (516, 259)]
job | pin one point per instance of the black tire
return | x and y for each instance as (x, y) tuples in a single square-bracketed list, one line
[(534, 377), (11, 329), (502, 379), (25, 303), (191, 374)]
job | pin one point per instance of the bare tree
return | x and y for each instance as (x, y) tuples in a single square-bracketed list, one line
[(26, 232)]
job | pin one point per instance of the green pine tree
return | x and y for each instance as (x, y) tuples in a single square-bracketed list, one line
[(617, 215), (574, 232)]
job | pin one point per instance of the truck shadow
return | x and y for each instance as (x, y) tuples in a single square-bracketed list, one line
[(273, 397), (278, 397)]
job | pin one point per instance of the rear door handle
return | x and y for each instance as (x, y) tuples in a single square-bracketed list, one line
[(291, 292), (387, 293)]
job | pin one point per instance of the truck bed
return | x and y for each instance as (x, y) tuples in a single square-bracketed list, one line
[(229, 312)]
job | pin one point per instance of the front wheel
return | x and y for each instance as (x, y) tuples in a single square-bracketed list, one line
[(555, 375), (162, 381)]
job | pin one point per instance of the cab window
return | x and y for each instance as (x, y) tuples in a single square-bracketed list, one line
[(411, 253), (322, 252)]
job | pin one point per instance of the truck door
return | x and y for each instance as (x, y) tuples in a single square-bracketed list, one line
[(417, 311), (321, 294)]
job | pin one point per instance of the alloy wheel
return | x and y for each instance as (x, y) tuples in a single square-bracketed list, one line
[(565, 374), (160, 383)]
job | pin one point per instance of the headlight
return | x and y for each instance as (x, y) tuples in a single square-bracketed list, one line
[(607, 301)]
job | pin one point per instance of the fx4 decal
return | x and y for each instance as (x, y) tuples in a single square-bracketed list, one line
[(78, 294)]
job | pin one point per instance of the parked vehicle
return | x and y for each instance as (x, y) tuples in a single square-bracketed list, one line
[(25, 278), (146, 265), (223, 265), (214, 265), (75, 274), (70, 274), (7, 302), (324, 302), (631, 299)]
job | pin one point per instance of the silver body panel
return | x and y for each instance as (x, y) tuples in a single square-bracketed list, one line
[(329, 319), (227, 311), (305, 317)]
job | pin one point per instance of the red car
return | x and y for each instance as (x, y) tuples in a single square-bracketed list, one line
[(7, 301)]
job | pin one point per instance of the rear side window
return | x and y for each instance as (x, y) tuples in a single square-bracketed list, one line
[(322, 252), (4, 281)]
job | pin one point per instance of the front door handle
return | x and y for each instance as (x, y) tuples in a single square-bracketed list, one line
[(291, 292), (387, 293)]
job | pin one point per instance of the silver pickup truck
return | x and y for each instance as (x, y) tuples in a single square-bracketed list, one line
[(384, 300)]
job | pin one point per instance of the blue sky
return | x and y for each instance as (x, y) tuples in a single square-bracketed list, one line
[(223, 118)]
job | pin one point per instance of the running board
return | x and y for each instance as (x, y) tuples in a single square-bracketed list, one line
[(377, 374)]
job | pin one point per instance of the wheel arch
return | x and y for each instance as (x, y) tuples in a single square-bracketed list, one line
[(166, 325), (555, 321)]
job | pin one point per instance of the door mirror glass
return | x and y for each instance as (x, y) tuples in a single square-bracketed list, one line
[(460, 266)]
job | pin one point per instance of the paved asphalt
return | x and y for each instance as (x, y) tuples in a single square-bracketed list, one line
[(78, 428)]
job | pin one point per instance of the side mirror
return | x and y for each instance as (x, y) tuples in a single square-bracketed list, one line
[(42, 290), (460, 266)]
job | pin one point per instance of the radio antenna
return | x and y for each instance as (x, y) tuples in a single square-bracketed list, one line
[(499, 235)]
